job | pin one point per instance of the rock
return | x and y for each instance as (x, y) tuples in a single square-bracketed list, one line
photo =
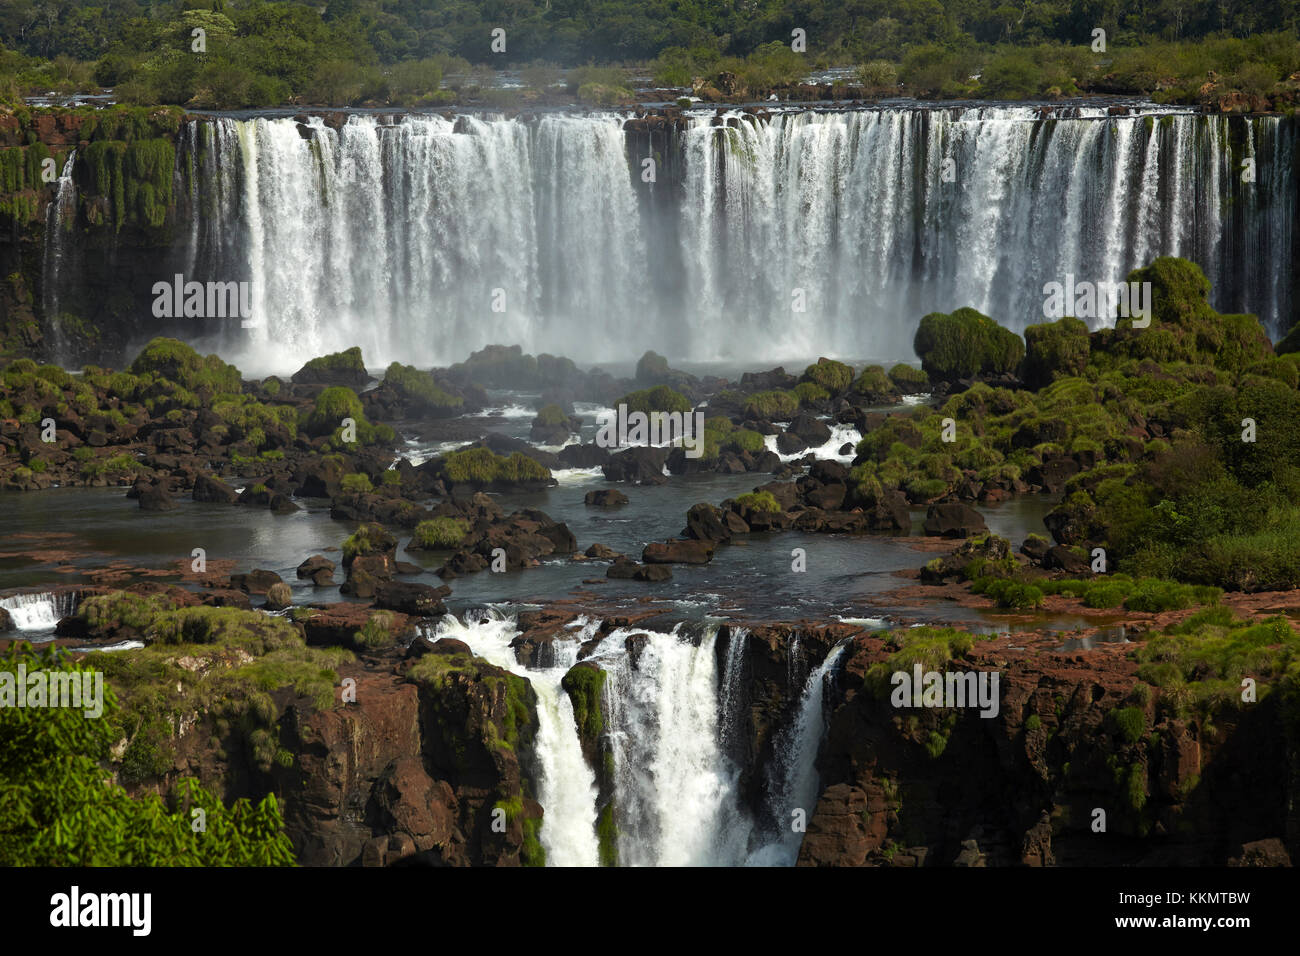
[(1062, 558), (224, 597), (1270, 852), (318, 477), (602, 552), (953, 520), (583, 456), (1052, 475), (788, 443), (324, 578), (156, 498), (629, 570), (417, 600), (212, 489), (704, 522), (317, 562), (365, 574), (257, 581), (813, 431), (641, 465), (605, 497), (6, 621), (279, 596), (1035, 549), (678, 551)]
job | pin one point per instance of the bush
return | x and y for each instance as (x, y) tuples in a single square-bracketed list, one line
[(965, 344), (833, 376), (758, 501), (908, 380), (875, 384), (660, 398), (356, 482), (440, 533), (481, 467), (420, 389), (773, 406)]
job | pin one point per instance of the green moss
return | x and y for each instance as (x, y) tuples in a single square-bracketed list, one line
[(965, 344), (420, 389), (369, 538), (176, 362), (1032, 723), (909, 380), (758, 501), (585, 687), (931, 647), (349, 360), (1129, 723), (810, 393), (551, 415), (875, 384), (660, 398), (607, 836), (833, 376), (1055, 349), (774, 406)]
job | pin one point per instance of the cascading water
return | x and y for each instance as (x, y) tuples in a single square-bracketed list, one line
[(793, 782), (59, 219), (567, 787), (39, 611), (421, 237), (675, 788)]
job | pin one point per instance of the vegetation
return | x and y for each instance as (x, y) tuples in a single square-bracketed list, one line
[(440, 533), (420, 389), (660, 398), (481, 468), (965, 344)]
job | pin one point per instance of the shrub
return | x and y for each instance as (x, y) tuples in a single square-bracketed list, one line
[(774, 406), (833, 376), (440, 533), (481, 467), (758, 501), (875, 384), (420, 389), (1129, 723), (356, 482), (908, 380), (660, 398)]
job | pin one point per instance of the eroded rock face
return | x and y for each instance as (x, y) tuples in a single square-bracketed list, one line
[(947, 787)]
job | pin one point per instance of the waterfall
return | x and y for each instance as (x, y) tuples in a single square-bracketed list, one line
[(59, 220), (40, 610), (675, 788), (421, 237), (793, 782), (566, 785)]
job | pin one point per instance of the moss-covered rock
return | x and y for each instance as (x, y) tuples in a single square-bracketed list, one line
[(1055, 349), (831, 375), (966, 344), (338, 368)]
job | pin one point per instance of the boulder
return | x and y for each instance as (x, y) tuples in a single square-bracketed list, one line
[(678, 551), (605, 497), (417, 600), (212, 489), (640, 465), (953, 520), (156, 498), (257, 581), (317, 562)]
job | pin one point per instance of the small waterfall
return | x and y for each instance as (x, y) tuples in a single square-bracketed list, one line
[(59, 221), (40, 611), (794, 783), (567, 787)]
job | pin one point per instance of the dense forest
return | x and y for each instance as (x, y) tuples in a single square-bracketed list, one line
[(228, 54)]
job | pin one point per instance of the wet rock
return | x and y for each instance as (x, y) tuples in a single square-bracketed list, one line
[(156, 498), (953, 520), (678, 551), (602, 552), (704, 522), (317, 562), (605, 497), (209, 488), (417, 600), (1059, 557), (257, 581), (638, 465)]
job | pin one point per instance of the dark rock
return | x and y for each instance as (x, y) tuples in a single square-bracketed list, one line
[(1062, 558), (156, 498), (257, 581), (953, 520), (317, 562), (640, 465), (417, 600), (212, 489), (678, 551), (605, 497), (704, 522)]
